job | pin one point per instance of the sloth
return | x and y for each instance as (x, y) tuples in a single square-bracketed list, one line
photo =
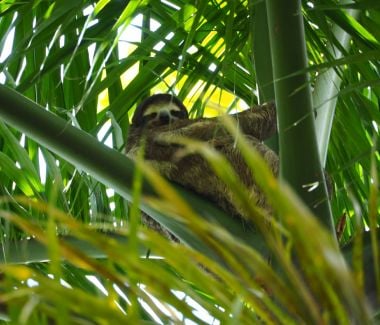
[(162, 118)]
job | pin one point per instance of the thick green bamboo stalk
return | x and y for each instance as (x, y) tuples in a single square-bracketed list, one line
[(109, 166), (299, 158)]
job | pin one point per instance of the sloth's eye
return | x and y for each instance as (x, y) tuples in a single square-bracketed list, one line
[(149, 117)]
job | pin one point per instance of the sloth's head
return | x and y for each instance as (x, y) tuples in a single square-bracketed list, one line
[(157, 110)]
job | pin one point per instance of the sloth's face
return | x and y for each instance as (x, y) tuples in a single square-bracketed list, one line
[(157, 110), (162, 113)]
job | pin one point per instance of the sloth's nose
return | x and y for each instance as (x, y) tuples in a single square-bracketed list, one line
[(164, 117)]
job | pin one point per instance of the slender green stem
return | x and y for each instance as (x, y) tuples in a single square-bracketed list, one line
[(263, 62), (261, 48), (32, 251)]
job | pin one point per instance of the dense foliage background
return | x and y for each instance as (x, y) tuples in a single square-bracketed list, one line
[(90, 63)]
